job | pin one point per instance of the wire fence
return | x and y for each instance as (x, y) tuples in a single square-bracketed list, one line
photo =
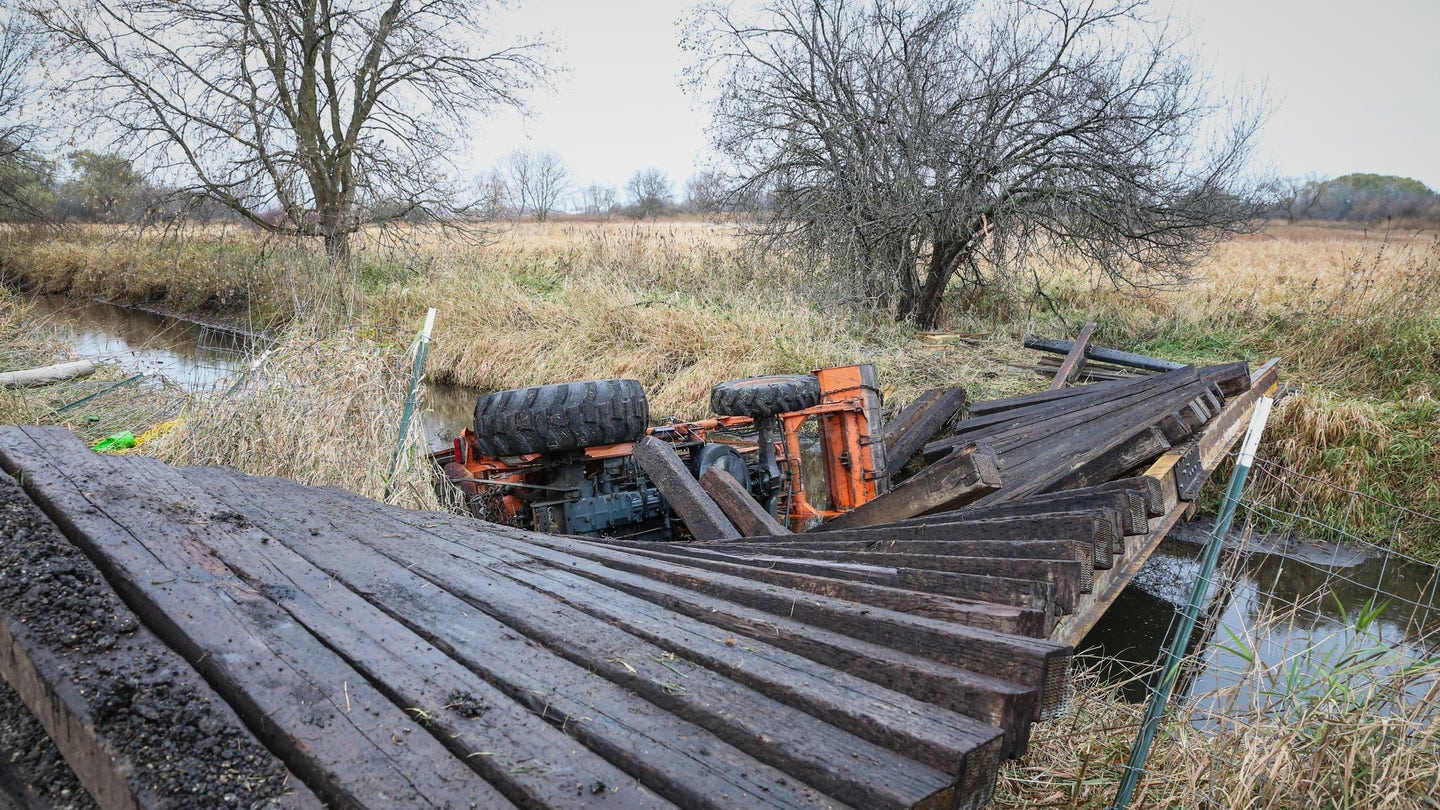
[(1312, 680)]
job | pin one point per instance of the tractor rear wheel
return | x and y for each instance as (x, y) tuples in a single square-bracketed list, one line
[(561, 417), (760, 397)]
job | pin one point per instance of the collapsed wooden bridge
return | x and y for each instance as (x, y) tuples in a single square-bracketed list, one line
[(353, 654)]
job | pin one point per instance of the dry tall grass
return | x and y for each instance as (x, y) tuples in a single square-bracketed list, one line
[(1357, 735), (321, 409)]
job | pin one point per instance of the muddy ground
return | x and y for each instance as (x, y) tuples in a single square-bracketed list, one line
[(188, 747)]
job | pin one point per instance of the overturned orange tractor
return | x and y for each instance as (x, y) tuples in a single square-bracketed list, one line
[(558, 458)]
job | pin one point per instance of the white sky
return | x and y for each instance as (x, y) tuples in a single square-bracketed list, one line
[(1356, 84)]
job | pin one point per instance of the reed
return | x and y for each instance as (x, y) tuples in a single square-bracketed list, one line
[(1347, 724), (321, 407)]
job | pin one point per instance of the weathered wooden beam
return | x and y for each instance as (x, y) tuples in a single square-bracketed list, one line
[(1024, 431), (526, 751), (979, 594), (907, 415), (995, 654), (1074, 359), (1128, 506), (965, 474), (703, 517), (1070, 577), (500, 637), (867, 585), (575, 617), (234, 635), (990, 406), (921, 427), (1098, 528), (1144, 446), (749, 518), (1119, 358)]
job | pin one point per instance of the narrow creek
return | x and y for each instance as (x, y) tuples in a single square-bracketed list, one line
[(1333, 584), (198, 357)]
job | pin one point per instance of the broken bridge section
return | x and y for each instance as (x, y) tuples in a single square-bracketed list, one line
[(371, 656)]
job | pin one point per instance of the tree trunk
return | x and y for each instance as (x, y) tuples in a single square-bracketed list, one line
[(337, 248), (945, 256)]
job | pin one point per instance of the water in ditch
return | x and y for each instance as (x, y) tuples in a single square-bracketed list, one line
[(201, 357)]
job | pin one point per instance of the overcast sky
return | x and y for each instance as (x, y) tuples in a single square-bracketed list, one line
[(1356, 85)]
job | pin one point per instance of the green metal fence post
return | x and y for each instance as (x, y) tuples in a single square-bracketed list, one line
[(417, 373), (1180, 633)]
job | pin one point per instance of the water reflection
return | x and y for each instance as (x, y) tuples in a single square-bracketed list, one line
[(190, 355), (196, 357), (1269, 614)]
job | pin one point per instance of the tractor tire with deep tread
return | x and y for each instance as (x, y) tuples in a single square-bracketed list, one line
[(561, 417), (759, 397)]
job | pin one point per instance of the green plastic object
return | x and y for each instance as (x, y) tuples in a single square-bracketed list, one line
[(123, 440)]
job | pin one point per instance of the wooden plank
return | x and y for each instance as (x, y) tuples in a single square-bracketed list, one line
[(968, 692), (968, 602), (997, 654), (1145, 486), (1065, 549), (1097, 529), (907, 416), (1119, 358), (964, 475), (749, 518), (1128, 507), (1034, 600), (1070, 577), (1074, 359), (530, 761), (371, 550), (236, 637), (922, 427), (1072, 629), (1218, 437), (108, 693), (1216, 443), (702, 516), (1034, 428), (991, 406), (1141, 448)]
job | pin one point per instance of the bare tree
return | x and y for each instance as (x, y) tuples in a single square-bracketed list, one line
[(338, 113), (534, 182), (911, 141), (706, 192), (25, 177), (1296, 197), (649, 192), (598, 199)]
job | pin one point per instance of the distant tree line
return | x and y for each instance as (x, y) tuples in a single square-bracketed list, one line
[(88, 186), (528, 184), (1353, 198)]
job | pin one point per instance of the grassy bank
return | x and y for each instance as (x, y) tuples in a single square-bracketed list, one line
[(1358, 732)]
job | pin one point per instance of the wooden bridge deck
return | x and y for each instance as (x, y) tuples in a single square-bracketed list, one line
[(379, 657)]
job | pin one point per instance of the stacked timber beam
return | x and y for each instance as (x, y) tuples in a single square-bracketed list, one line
[(390, 658), (1031, 514)]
